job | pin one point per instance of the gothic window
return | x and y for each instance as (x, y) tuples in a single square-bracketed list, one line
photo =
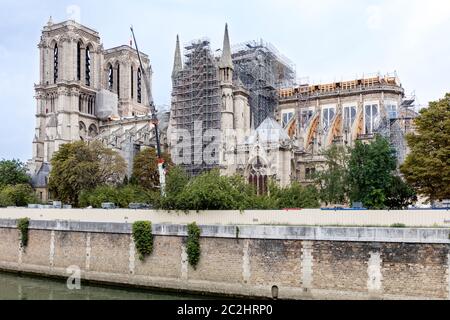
[(110, 78), (79, 61), (287, 117), (306, 117), (93, 132), (79, 104), (349, 117), (258, 176), (328, 116), (139, 86), (118, 81), (310, 173), (132, 82), (88, 66), (371, 118), (55, 63), (391, 110)]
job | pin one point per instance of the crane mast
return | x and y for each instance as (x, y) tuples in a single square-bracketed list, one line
[(154, 121)]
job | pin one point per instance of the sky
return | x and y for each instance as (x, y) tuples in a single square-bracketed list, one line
[(328, 40)]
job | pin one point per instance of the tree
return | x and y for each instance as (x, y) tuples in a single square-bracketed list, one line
[(427, 167), (145, 168), (332, 181), (294, 196), (399, 195), (13, 172), (79, 166), (370, 172), (19, 195)]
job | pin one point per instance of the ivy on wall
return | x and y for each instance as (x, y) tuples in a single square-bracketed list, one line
[(143, 238), (193, 244), (23, 225)]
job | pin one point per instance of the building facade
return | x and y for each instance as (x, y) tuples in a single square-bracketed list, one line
[(318, 116), (87, 93)]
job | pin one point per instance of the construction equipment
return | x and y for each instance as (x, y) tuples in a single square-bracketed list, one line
[(154, 121)]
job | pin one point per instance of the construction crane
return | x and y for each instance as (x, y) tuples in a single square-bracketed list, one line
[(154, 121)]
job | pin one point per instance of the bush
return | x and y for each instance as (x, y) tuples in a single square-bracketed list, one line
[(22, 226), (143, 238), (122, 196), (295, 196), (193, 244), (211, 191), (19, 195)]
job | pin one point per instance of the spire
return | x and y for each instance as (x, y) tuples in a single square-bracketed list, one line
[(225, 60), (177, 63), (50, 21)]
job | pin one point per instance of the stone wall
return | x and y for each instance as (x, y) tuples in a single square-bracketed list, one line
[(307, 266)]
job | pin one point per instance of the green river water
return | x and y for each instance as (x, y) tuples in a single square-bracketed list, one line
[(16, 287)]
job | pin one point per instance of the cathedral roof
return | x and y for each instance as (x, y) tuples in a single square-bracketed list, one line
[(39, 180), (226, 60), (269, 131), (177, 63)]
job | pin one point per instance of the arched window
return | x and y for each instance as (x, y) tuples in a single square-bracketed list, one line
[(79, 61), (118, 80), (139, 86), (110, 78), (55, 63), (93, 132), (88, 66), (132, 82)]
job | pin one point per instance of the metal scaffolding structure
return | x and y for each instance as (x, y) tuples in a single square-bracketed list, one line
[(262, 71), (196, 92)]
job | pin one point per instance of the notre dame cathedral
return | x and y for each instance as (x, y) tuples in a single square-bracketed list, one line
[(87, 92)]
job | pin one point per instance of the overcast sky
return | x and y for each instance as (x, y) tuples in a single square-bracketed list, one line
[(326, 39)]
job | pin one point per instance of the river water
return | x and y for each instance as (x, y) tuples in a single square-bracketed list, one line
[(15, 287)]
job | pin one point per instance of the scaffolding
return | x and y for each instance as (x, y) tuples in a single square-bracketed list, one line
[(263, 71), (196, 92)]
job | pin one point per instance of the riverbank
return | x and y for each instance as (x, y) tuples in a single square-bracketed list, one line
[(242, 260)]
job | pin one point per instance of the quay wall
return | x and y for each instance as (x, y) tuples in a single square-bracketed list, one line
[(301, 262)]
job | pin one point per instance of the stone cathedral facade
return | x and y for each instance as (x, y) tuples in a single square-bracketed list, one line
[(86, 92)]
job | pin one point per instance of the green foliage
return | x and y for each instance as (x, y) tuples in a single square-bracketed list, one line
[(399, 195), (370, 172), (17, 195), (211, 191), (121, 196), (145, 168), (80, 166), (193, 244), (13, 172), (22, 226), (427, 167), (332, 181), (143, 238), (176, 181), (294, 196)]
